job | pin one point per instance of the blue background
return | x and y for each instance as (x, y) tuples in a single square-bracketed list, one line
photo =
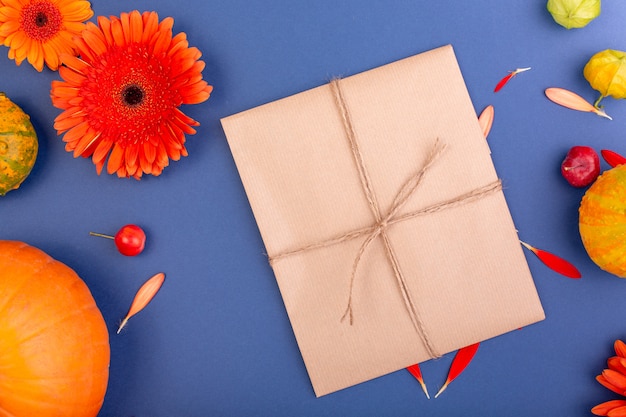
[(216, 339)]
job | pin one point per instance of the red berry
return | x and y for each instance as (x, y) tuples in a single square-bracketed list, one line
[(130, 239), (581, 166)]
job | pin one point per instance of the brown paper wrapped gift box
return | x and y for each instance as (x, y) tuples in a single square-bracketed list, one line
[(323, 169)]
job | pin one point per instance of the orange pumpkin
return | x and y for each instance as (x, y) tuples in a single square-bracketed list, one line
[(602, 221), (54, 344)]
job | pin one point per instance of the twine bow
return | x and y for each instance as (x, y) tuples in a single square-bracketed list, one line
[(384, 221)]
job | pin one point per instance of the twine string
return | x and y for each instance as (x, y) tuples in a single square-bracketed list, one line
[(382, 223)]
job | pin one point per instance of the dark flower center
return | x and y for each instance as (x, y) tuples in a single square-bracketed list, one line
[(133, 95), (41, 20)]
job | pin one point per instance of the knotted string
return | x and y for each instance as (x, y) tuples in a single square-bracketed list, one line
[(383, 222)]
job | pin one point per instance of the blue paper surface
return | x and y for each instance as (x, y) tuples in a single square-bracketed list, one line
[(216, 340)]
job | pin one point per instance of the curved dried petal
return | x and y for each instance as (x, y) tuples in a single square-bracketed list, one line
[(573, 101)]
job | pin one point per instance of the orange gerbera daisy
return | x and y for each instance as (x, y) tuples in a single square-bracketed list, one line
[(614, 378), (122, 95), (41, 30)]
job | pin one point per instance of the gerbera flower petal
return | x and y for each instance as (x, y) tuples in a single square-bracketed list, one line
[(162, 42), (118, 32), (9, 13), (135, 27), (605, 383), (130, 158), (74, 63), (76, 132), (618, 364), (86, 145), (150, 26), (146, 166), (65, 123), (95, 41), (9, 27), (126, 86), (116, 159), (125, 21), (617, 412), (604, 408), (105, 27), (615, 378), (71, 76), (620, 348), (102, 150)]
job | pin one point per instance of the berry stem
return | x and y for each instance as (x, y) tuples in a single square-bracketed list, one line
[(101, 235)]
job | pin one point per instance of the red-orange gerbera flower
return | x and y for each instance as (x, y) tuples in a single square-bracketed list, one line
[(41, 30), (122, 95), (614, 378)]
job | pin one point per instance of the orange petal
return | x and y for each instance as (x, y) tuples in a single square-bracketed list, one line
[(150, 24), (116, 159), (604, 408), (149, 151), (136, 26), (74, 134), (615, 378), (105, 27), (606, 384), (144, 295), (485, 120), (71, 76), (73, 62), (95, 40), (118, 32), (63, 122), (130, 158), (572, 101), (620, 348), (85, 146), (125, 22), (102, 150), (617, 412), (618, 364)]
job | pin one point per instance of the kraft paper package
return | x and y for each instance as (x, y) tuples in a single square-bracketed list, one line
[(383, 219)]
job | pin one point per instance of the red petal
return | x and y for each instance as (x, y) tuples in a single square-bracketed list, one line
[(612, 158), (417, 373), (554, 262), (503, 82), (462, 358), (620, 348)]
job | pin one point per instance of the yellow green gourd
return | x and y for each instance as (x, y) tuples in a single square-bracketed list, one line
[(602, 221), (18, 145)]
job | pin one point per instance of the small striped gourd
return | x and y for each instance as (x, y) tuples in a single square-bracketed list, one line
[(18, 145)]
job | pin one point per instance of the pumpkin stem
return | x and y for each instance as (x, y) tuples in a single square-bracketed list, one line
[(596, 104)]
